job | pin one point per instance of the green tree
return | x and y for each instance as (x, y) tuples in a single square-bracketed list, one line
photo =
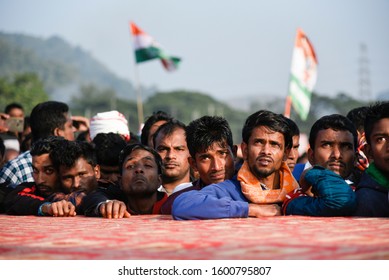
[(187, 106), (26, 89)]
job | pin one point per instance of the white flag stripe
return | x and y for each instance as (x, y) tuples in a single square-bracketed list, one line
[(144, 41)]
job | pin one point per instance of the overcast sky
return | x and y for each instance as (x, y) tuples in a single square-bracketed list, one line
[(228, 48)]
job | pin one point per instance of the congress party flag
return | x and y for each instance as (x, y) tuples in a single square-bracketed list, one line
[(146, 48), (303, 75)]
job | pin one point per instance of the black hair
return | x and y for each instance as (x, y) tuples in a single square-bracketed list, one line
[(357, 117), (26, 122), (203, 132), (155, 117), (132, 147), (377, 111), (46, 145), (2, 149), (168, 128), (26, 143), (11, 106), (336, 122), (82, 136), (293, 127), (273, 121), (70, 151), (133, 138), (108, 147), (46, 117)]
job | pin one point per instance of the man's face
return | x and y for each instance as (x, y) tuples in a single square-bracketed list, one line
[(294, 153), (214, 165), (378, 148), (81, 176), (152, 131), (16, 113), (334, 150), (174, 153), (264, 151), (45, 175), (140, 174), (68, 129)]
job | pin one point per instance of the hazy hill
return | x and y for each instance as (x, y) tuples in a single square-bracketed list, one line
[(72, 75), (62, 67)]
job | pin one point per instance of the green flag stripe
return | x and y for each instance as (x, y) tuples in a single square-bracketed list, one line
[(145, 54), (301, 97)]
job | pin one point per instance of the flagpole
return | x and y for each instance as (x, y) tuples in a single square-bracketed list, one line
[(288, 99), (288, 105), (139, 103)]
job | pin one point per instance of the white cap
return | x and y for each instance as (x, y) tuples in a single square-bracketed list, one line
[(106, 122)]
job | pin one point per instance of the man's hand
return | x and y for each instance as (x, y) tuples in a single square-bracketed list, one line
[(83, 122), (304, 185), (264, 210), (61, 208), (114, 209)]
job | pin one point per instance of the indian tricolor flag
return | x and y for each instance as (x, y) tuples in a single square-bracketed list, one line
[(303, 75), (146, 48)]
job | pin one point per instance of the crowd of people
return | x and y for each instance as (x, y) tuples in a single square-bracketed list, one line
[(56, 164)]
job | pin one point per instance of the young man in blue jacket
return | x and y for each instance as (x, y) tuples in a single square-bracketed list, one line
[(373, 189), (324, 191)]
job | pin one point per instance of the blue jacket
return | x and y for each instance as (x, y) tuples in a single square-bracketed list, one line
[(333, 196), (216, 201), (372, 198)]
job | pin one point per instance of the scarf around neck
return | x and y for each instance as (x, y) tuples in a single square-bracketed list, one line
[(253, 189), (377, 175)]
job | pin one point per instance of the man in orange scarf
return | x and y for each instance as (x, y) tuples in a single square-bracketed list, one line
[(262, 182)]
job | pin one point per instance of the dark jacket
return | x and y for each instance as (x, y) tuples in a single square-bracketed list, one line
[(166, 208), (111, 191), (25, 199), (372, 198), (4, 191), (333, 196)]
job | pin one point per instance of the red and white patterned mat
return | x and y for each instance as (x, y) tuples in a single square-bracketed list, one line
[(160, 237)]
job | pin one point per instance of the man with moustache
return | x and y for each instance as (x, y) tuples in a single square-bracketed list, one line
[(261, 184), (137, 190), (34, 198), (332, 153), (170, 143)]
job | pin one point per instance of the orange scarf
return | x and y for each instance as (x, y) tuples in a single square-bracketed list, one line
[(252, 189)]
